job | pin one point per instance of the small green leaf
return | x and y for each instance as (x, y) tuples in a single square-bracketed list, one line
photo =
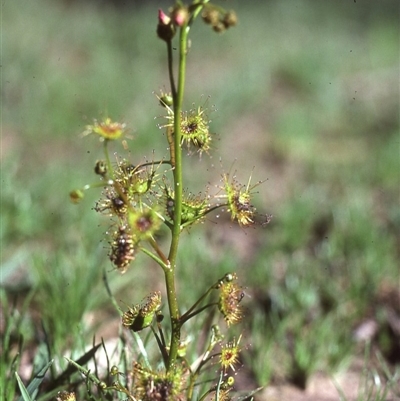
[(24, 392), (29, 393)]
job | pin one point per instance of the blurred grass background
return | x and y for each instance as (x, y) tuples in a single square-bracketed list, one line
[(306, 93)]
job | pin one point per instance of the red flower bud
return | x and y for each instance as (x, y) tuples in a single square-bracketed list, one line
[(180, 16), (163, 18), (165, 28)]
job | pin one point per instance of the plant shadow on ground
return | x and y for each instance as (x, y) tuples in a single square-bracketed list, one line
[(313, 107)]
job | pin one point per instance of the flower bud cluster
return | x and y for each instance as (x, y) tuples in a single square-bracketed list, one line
[(219, 20), (181, 15), (167, 24), (123, 199), (127, 194)]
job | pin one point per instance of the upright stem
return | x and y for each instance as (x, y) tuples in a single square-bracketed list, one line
[(171, 69), (178, 185), (107, 157)]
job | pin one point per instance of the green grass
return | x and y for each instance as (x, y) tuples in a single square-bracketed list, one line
[(306, 93)]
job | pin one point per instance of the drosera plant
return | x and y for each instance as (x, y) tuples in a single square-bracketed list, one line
[(143, 199)]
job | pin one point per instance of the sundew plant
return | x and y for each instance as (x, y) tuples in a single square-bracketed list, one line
[(143, 198)]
